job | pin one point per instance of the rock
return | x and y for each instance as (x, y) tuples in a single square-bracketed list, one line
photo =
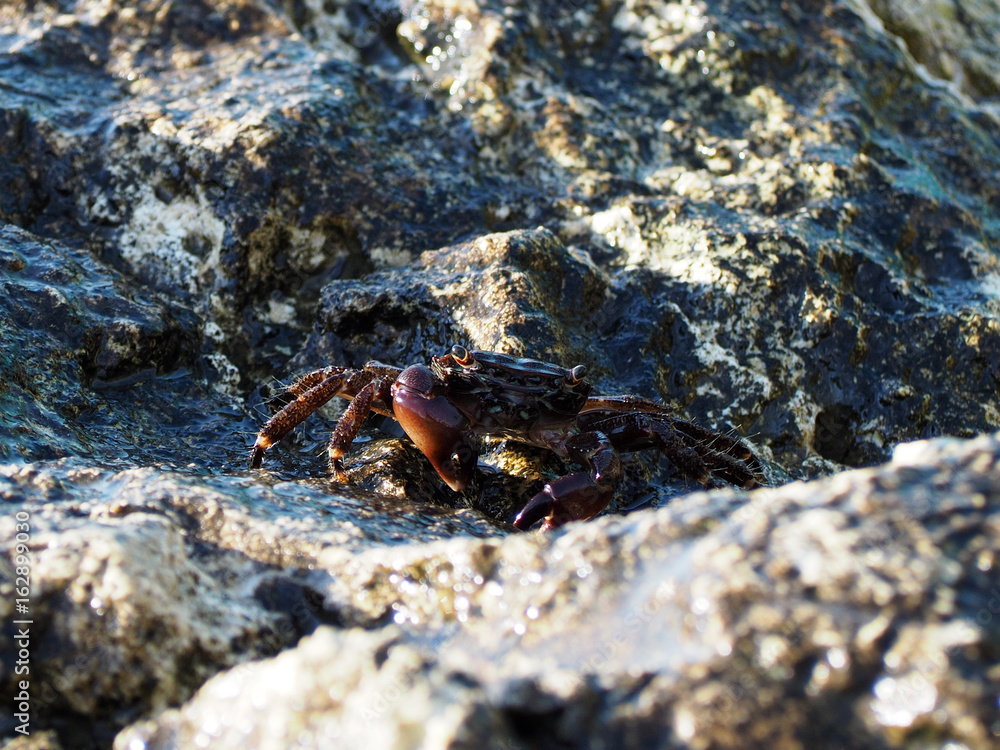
[(730, 207), (953, 42), (76, 336), (719, 166), (856, 611), (146, 582)]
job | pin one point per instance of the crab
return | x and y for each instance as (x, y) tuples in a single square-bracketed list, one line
[(444, 408)]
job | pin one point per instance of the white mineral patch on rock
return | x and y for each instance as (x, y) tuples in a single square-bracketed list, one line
[(306, 248), (173, 244), (228, 381), (618, 228)]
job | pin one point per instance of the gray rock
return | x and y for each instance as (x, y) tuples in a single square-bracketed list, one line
[(856, 611), (146, 582), (954, 42)]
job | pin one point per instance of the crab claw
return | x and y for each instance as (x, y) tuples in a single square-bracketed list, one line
[(435, 426), (538, 507), (574, 497)]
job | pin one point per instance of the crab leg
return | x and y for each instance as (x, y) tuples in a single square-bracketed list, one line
[(623, 404), (702, 435), (351, 420), (313, 390), (309, 399), (308, 381), (721, 455), (577, 496)]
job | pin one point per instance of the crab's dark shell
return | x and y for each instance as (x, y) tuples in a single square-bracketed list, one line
[(510, 396)]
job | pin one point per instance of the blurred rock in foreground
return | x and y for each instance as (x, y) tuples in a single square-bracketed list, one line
[(856, 611)]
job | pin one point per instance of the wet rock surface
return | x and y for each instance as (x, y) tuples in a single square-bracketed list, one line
[(844, 613), (148, 581), (765, 215), (953, 41)]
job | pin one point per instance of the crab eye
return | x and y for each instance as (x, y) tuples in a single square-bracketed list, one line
[(461, 355), (575, 375)]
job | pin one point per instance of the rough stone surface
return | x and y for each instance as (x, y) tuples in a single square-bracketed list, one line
[(955, 42), (147, 582), (845, 612), (778, 218)]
